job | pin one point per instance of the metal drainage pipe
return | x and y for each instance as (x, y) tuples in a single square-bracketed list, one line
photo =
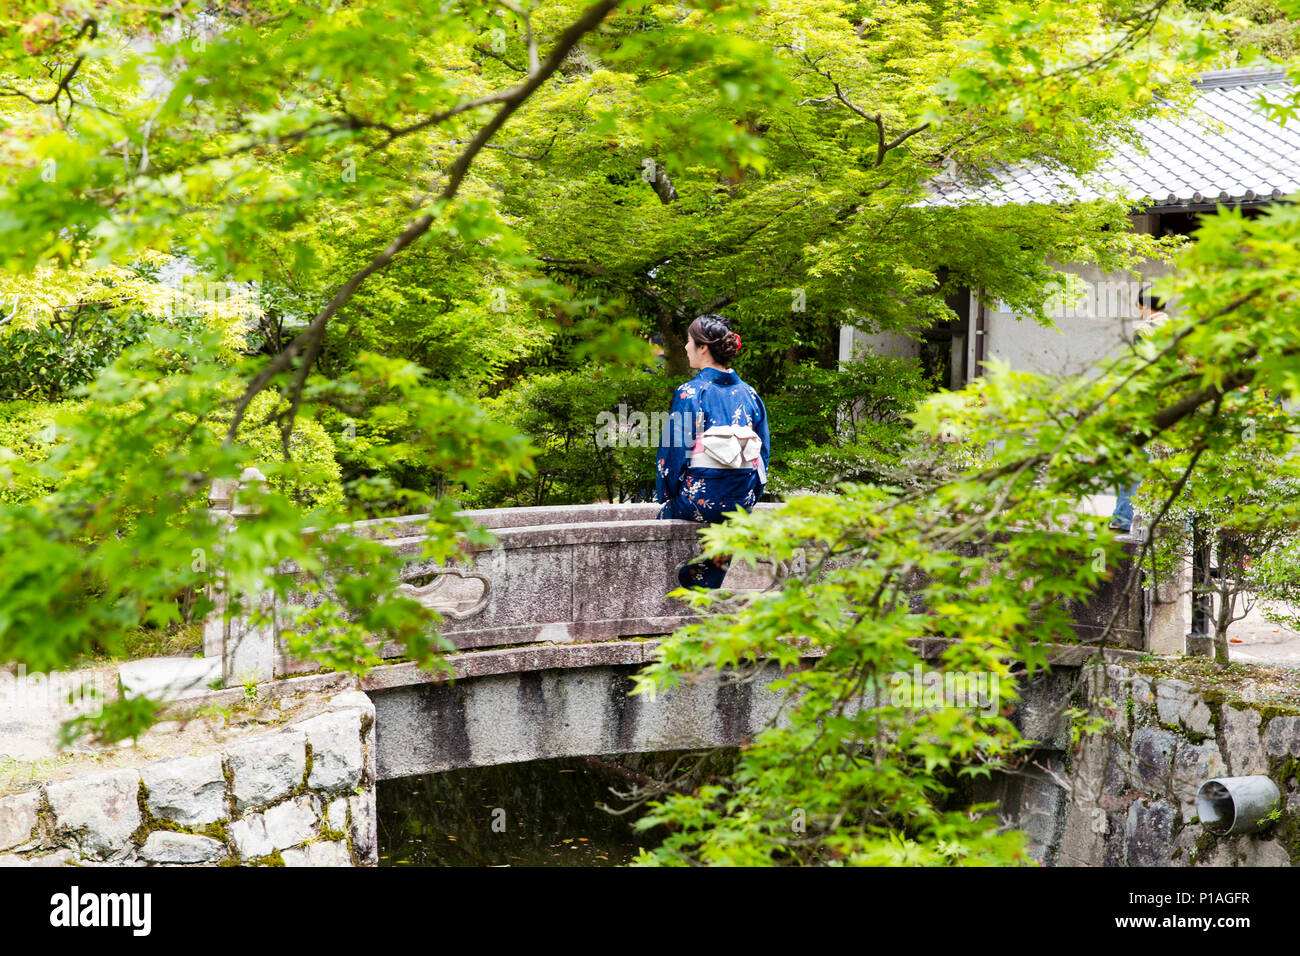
[(1237, 804)]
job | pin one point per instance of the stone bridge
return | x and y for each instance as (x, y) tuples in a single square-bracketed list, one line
[(556, 575), (564, 577), (551, 623)]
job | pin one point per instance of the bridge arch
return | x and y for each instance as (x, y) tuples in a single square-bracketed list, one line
[(525, 715)]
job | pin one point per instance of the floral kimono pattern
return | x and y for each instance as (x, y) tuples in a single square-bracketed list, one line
[(713, 397)]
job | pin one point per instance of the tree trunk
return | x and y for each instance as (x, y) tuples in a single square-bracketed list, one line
[(1231, 562), (675, 361), (1221, 621)]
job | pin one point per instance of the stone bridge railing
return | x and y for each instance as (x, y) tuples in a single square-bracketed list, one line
[(565, 574), (560, 575)]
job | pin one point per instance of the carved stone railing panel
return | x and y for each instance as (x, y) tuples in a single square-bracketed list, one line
[(452, 592), (556, 575), (589, 573)]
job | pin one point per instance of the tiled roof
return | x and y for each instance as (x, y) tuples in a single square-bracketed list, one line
[(1189, 160)]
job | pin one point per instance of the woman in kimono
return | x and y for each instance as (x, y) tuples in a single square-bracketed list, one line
[(713, 455)]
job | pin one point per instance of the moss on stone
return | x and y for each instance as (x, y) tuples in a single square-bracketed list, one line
[(45, 833), (271, 859), (1204, 843), (306, 773), (1288, 833), (1282, 770), (147, 822), (152, 824), (1216, 702), (213, 831), (229, 774), (1268, 711), (1271, 688)]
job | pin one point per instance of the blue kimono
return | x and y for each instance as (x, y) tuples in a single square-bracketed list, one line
[(713, 397)]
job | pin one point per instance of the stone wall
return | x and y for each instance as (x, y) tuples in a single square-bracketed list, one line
[(1127, 796), (300, 796)]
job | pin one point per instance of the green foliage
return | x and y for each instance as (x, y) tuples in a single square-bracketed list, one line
[(126, 527), (993, 555), (403, 272), (581, 458), (311, 449), (28, 430), (51, 360), (1245, 497), (1263, 25), (847, 424), (62, 327), (1277, 574)]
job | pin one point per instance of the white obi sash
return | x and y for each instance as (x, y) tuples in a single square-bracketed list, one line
[(729, 446)]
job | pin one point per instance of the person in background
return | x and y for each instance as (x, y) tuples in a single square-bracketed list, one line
[(1151, 311), (713, 456)]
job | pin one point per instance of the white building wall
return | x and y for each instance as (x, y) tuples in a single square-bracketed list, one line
[(1094, 315), (1094, 319), (896, 344)]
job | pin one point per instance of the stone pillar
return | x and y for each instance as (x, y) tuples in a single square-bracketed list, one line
[(214, 625), (248, 648), (1166, 613)]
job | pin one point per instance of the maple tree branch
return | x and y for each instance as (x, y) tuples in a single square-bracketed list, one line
[(308, 342)]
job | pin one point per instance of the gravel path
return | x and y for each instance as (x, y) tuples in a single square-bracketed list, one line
[(1255, 640)]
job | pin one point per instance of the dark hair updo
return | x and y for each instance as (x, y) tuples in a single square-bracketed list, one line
[(714, 332), (1150, 300)]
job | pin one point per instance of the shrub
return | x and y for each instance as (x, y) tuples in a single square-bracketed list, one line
[(29, 431), (847, 424), (562, 413)]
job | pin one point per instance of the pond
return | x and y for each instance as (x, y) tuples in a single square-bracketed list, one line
[(540, 813)]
